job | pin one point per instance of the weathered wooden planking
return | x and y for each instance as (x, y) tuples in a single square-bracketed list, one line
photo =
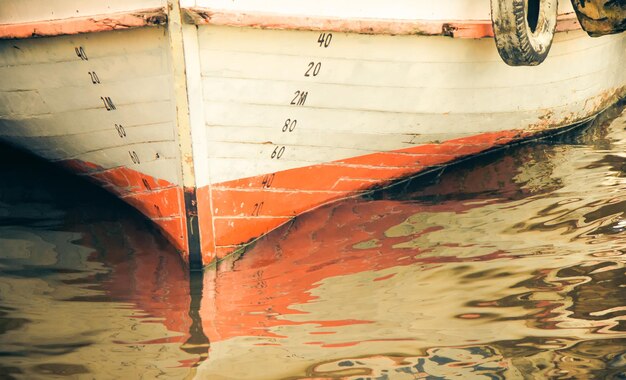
[(104, 99), (150, 116), (62, 74), (23, 11), (447, 10), (255, 82), (350, 67)]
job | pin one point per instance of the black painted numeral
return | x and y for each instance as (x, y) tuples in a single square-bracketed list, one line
[(290, 125), (80, 52), (94, 77), (120, 130), (267, 180), (134, 157), (278, 152), (313, 69), (324, 39), (108, 103), (158, 210), (257, 208), (300, 98)]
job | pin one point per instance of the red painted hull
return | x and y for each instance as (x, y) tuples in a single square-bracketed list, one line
[(225, 227)]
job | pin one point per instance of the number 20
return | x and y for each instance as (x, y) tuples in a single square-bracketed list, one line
[(313, 69)]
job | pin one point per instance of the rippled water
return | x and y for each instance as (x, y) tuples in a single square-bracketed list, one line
[(508, 266)]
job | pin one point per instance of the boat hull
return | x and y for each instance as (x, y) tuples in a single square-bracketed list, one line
[(221, 132)]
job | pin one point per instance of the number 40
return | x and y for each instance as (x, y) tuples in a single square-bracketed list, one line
[(324, 39)]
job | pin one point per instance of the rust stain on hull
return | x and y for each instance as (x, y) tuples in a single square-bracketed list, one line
[(599, 103)]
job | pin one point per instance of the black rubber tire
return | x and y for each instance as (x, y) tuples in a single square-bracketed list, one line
[(523, 30)]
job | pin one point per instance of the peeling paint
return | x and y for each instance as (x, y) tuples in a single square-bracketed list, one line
[(449, 28), (76, 25)]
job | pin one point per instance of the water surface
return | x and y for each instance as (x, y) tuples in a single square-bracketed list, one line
[(507, 266)]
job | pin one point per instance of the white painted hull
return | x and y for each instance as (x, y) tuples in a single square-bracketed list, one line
[(221, 132)]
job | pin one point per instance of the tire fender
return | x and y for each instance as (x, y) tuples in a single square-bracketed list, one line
[(523, 30)]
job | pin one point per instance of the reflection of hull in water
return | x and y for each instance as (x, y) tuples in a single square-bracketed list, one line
[(349, 280), (219, 133), (62, 323)]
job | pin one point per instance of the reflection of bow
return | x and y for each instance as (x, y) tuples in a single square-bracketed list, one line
[(197, 343)]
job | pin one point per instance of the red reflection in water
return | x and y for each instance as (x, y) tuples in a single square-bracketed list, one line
[(281, 270), (144, 273), (257, 292)]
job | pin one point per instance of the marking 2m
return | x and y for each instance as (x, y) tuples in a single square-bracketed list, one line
[(299, 98)]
